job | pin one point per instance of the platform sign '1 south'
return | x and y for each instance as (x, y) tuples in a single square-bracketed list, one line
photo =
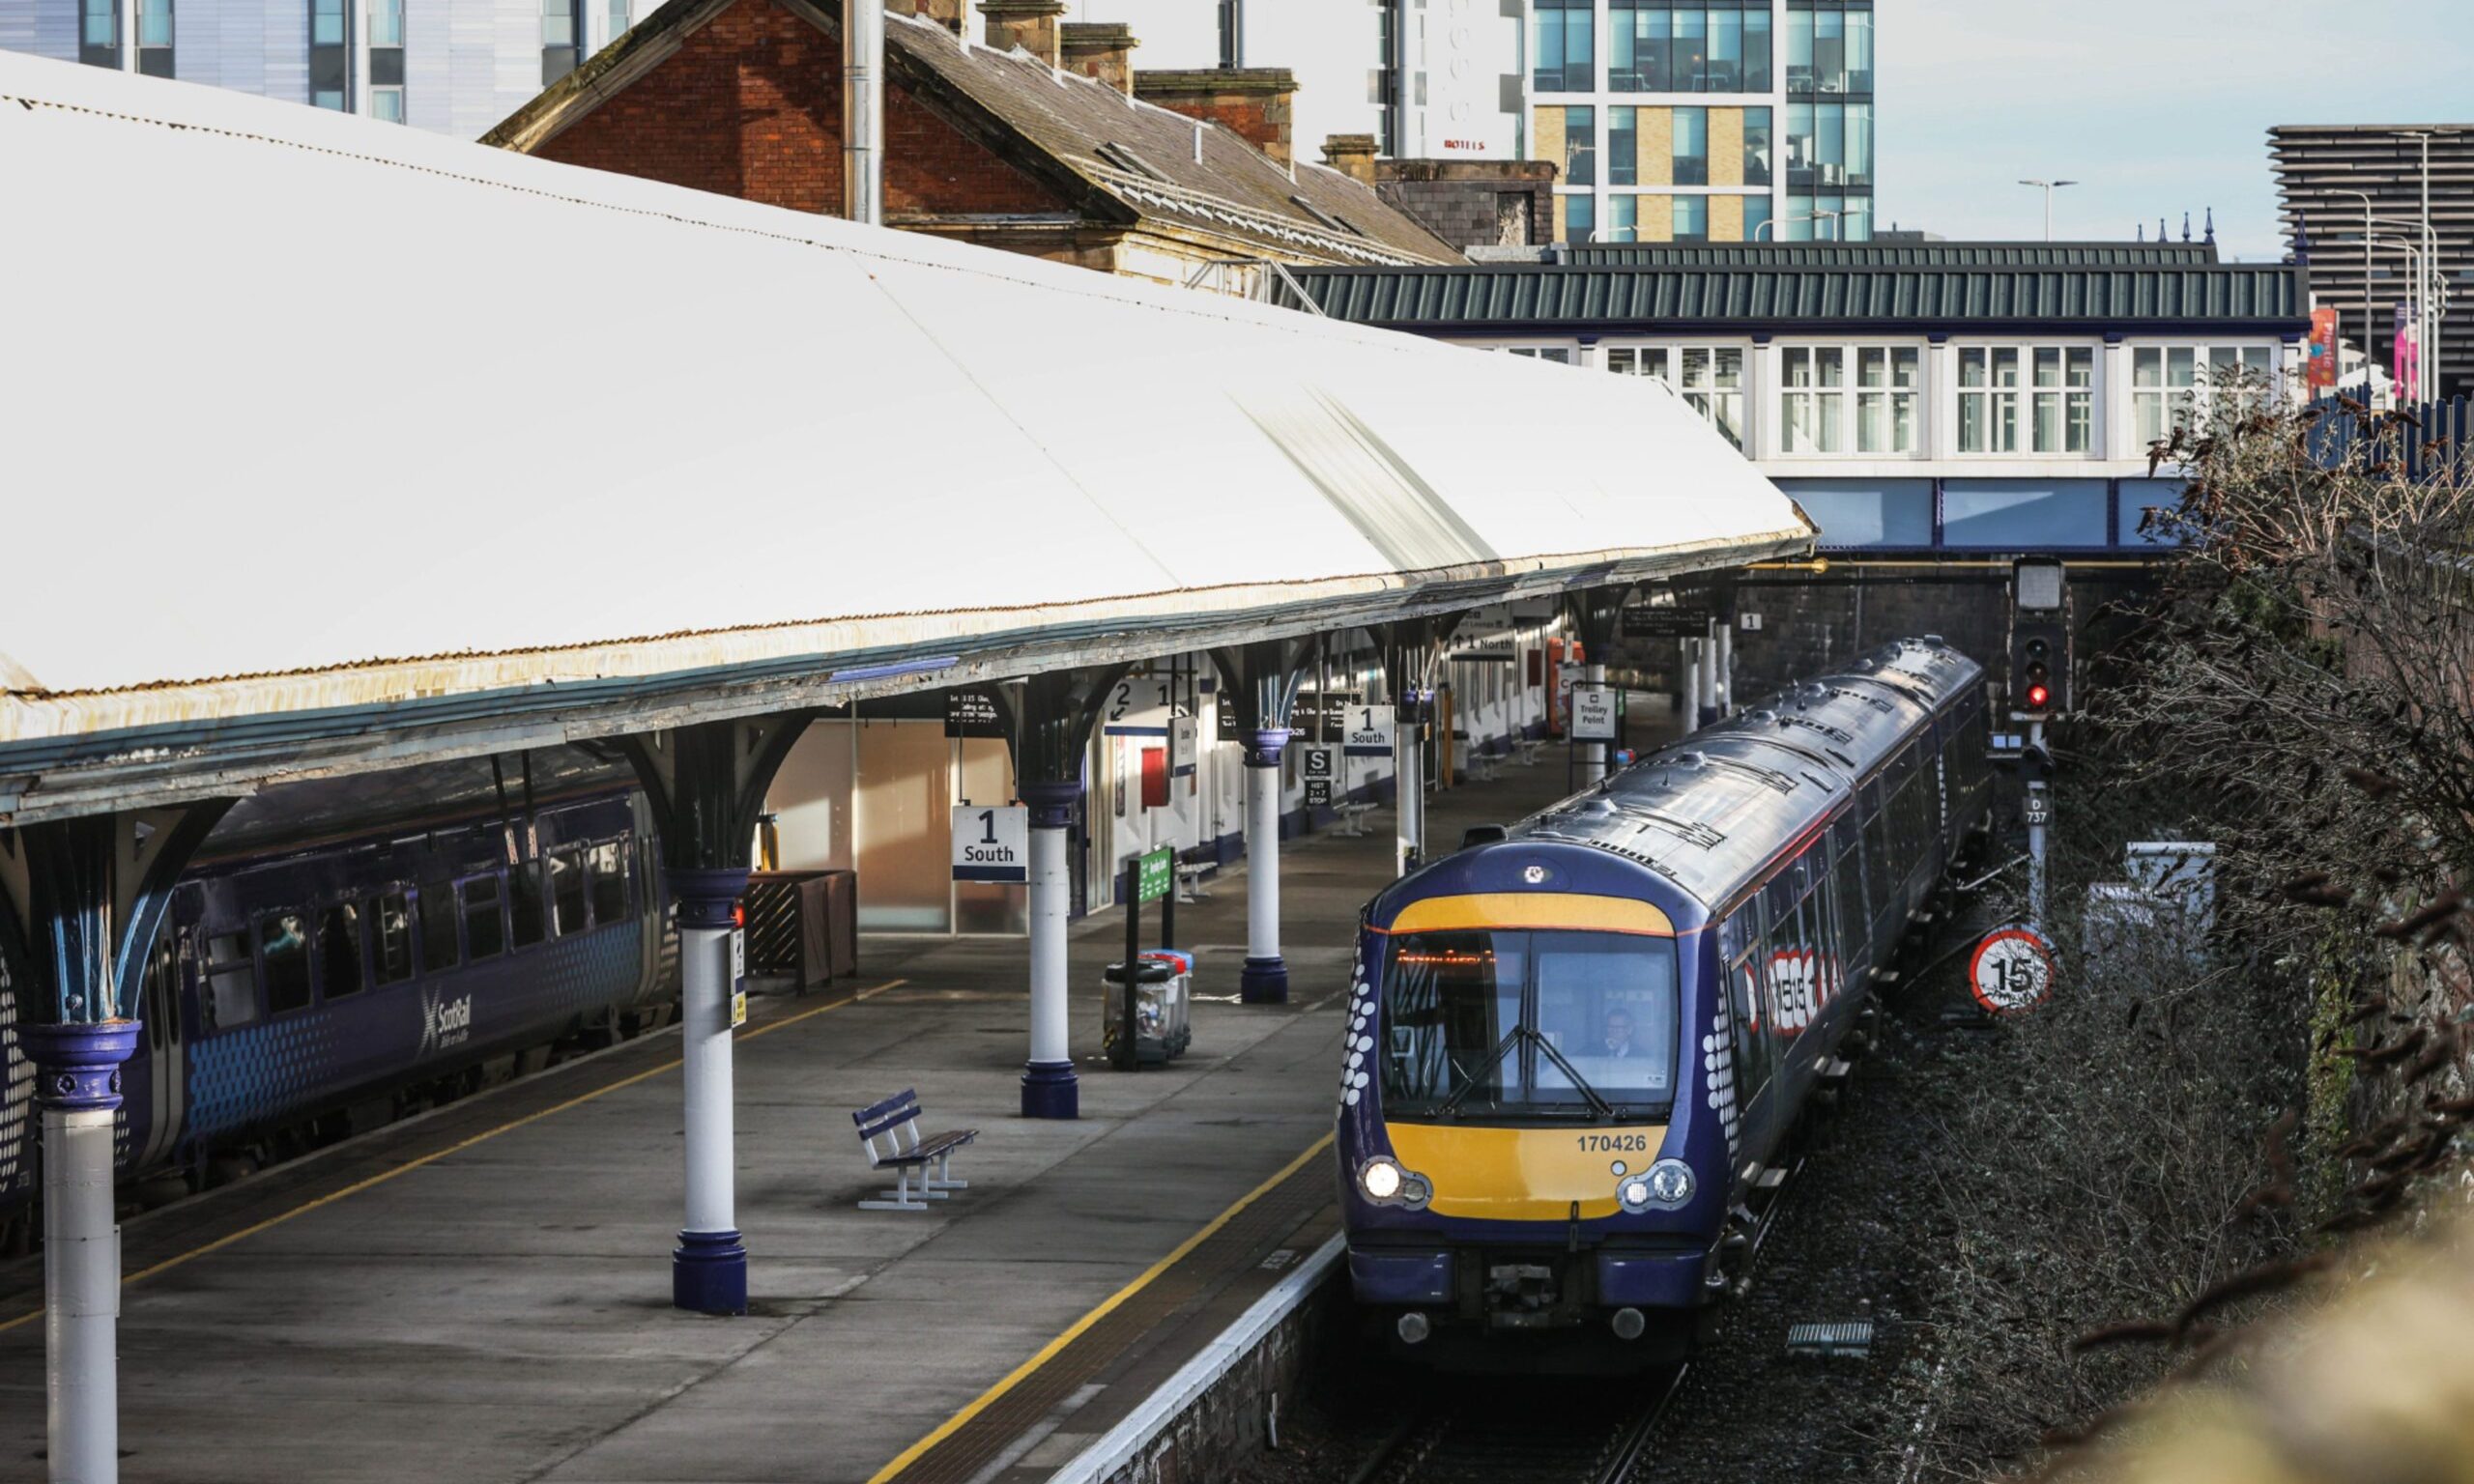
[(2011, 971), (992, 844), (1370, 732)]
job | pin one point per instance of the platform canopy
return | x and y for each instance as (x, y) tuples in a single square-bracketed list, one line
[(333, 445)]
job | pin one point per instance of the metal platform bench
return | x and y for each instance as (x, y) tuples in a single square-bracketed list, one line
[(889, 1131)]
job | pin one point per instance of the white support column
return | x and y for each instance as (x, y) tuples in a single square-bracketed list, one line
[(125, 16), (1726, 669), (1594, 754), (1050, 1088), (1265, 977), (81, 1295), (357, 24), (1688, 666), (1708, 681), (1408, 785), (709, 1269)]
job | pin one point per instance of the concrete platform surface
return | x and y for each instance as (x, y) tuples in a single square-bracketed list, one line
[(484, 1293)]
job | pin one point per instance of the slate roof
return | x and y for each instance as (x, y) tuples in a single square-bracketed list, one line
[(1891, 254), (2254, 298), (1144, 161)]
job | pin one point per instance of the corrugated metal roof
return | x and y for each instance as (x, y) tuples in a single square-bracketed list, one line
[(1550, 297), (1889, 254), (774, 460)]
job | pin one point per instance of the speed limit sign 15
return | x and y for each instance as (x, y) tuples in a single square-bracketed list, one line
[(2011, 971)]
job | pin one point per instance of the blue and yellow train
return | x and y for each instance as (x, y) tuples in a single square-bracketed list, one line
[(1579, 1045)]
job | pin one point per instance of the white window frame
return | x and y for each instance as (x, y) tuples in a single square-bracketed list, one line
[(2152, 405), (1893, 398), (2021, 398), (1713, 402), (1818, 403)]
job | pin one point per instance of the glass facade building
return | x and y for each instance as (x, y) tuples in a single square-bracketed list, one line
[(1717, 121), (453, 66)]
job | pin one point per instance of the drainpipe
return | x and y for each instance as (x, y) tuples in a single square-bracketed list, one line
[(863, 110)]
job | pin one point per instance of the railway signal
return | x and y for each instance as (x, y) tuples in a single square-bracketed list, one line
[(2039, 639)]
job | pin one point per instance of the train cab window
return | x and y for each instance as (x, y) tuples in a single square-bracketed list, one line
[(609, 867), (484, 926), (283, 960), (437, 927), (566, 889), (230, 998), (1739, 943), (524, 906), (390, 937), (1535, 1024), (339, 950)]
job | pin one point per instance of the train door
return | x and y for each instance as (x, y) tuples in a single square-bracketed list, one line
[(1742, 984), (154, 1128)]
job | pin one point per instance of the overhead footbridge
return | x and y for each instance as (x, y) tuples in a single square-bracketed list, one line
[(335, 447)]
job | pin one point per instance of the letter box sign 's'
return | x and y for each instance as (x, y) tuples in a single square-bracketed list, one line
[(2012, 970), (1370, 732), (1594, 713), (991, 844)]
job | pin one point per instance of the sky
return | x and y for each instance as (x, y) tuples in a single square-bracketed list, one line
[(2157, 105)]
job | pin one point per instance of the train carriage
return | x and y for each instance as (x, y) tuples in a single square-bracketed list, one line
[(1578, 1046)]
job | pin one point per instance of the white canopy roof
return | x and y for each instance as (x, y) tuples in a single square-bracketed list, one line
[(318, 421)]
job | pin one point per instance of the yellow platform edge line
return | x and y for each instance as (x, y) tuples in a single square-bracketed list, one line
[(1048, 1352), (458, 1147)]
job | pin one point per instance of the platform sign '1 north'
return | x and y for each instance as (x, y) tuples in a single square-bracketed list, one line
[(992, 844), (2011, 971)]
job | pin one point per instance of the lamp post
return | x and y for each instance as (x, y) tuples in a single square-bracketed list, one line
[(1791, 220), (2049, 187)]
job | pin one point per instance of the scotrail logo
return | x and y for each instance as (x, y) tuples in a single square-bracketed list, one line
[(444, 1022)]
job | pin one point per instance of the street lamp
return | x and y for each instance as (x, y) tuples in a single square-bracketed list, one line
[(2049, 187), (1773, 221)]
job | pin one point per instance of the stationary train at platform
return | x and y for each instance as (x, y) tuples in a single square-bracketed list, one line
[(325, 967), (1580, 1047)]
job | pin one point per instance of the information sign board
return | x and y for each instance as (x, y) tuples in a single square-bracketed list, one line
[(1182, 739), (993, 844), (1368, 732), (1318, 792), (1667, 622), (1594, 713), (1155, 871), (974, 714)]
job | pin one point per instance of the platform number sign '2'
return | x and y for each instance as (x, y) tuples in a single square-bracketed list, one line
[(991, 844), (2012, 970)]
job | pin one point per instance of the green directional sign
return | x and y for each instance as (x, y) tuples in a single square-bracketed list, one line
[(1154, 874)]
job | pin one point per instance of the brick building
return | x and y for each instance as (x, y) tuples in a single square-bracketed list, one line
[(1038, 139), (1475, 203)]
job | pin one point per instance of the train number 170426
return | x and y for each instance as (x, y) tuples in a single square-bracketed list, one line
[(1614, 1143)]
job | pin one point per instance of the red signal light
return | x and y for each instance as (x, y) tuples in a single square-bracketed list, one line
[(2038, 697)]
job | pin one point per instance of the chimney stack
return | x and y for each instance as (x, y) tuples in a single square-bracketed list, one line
[(1255, 103), (947, 13), (1102, 50), (1034, 25), (1351, 155)]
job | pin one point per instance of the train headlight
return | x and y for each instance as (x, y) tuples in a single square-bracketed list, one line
[(1416, 1190), (1670, 1182), (1380, 1179)]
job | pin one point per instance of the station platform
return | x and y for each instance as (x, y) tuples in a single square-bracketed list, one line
[(484, 1293)]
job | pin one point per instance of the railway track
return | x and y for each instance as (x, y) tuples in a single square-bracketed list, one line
[(1488, 1438)]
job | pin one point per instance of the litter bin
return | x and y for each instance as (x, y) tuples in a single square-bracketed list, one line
[(1179, 1022), (1155, 985)]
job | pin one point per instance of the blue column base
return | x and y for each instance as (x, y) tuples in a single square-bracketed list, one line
[(1264, 982), (709, 1273), (1051, 1090)]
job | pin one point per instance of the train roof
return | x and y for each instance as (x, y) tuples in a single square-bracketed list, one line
[(1710, 810)]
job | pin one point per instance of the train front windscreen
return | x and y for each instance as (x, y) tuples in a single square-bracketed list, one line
[(1529, 1024)]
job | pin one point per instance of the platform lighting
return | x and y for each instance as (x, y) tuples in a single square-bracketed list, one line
[(2049, 187)]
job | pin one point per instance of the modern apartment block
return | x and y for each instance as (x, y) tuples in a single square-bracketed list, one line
[(2335, 181), (1685, 121), (454, 67), (1717, 121)]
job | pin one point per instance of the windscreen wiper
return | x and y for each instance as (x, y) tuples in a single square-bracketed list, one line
[(1604, 1108), (1450, 1107)]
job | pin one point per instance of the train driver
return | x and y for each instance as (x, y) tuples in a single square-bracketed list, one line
[(1618, 1040)]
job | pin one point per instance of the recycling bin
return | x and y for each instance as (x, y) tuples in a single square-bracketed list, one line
[(1179, 1022), (1155, 990)]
